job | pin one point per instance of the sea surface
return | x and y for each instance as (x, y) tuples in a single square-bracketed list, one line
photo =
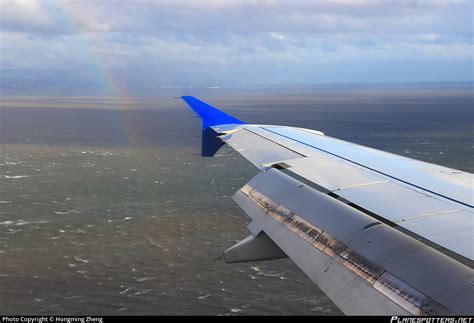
[(106, 206)]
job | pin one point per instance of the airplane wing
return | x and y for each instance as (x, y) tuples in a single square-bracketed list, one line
[(377, 232)]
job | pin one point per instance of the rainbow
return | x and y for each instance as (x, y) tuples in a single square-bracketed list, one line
[(112, 89)]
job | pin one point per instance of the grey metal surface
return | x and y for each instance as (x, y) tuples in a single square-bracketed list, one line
[(259, 151), (342, 286), (429, 200), (451, 183), (300, 199), (395, 202), (452, 230), (447, 224), (332, 173), (257, 247), (430, 272), (365, 267)]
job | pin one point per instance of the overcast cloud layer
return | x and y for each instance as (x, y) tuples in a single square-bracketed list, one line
[(241, 42)]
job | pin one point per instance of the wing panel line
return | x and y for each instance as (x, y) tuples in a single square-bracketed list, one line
[(372, 169), (276, 143)]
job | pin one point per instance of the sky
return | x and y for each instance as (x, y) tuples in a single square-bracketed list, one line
[(218, 42)]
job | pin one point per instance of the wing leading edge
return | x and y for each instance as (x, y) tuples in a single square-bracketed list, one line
[(377, 232)]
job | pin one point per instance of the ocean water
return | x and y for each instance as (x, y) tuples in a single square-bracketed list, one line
[(106, 206)]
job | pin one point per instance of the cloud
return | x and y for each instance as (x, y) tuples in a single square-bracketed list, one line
[(238, 39), (25, 16), (200, 18)]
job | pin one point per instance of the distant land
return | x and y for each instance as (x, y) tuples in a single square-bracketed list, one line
[(88, 79)]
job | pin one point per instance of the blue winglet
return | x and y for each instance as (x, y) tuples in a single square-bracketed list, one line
[(210, 117)]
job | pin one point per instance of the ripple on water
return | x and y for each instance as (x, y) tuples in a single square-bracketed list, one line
[(143, 279), (204, 296), (20, 222), (81, 259), (67, 212)]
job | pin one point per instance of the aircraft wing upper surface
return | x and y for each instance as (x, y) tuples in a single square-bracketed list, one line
[(377, 232)]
